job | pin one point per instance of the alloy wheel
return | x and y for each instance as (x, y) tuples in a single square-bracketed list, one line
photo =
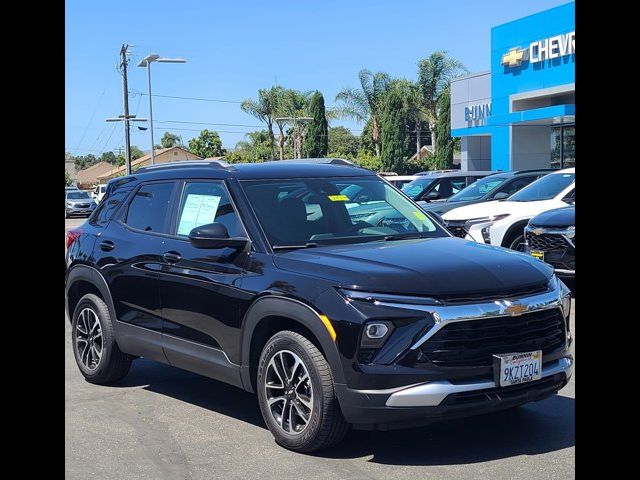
[(89, 343), (288, 392)]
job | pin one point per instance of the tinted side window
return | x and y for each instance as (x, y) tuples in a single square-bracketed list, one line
[(449, 186), (207, 202), (517, 184), (107, 208), (149, 207)]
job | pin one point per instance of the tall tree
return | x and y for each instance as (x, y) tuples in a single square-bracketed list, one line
[(264, 109), (255, 149), (445, 144), (316, 142), (342, 143), (291, 104), (170, 140), (364, 103), (394, 118), (207, 144), (434, 75)]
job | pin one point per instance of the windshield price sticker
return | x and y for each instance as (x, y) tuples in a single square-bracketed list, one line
[(338, 198)]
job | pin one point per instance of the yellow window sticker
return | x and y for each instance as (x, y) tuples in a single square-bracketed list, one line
[(338, 198), (420, 216)]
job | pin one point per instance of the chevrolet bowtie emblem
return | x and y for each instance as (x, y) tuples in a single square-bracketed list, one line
[(509, 308), (513, 57), (537, 231)]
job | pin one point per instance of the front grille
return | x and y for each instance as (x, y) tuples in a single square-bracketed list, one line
[(523, 391), (474, 342), (546, 241), (457, 229), (81, 205)]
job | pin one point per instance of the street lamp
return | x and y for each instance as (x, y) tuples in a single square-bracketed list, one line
[(146, 62)]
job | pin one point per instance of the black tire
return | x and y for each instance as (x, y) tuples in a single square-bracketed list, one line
[(112, 365), (326, 425), (516, 241)]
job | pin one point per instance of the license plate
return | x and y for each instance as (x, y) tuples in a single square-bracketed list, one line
[(517, 368), (537, 254)]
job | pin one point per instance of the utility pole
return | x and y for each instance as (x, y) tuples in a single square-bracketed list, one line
[(125, 92)]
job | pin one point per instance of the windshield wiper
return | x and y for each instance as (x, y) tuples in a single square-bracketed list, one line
[(293, 247), (404, 237)]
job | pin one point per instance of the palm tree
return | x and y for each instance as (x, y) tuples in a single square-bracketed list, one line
[(434, 76), (289, 105), (264, 110), (366, 102)]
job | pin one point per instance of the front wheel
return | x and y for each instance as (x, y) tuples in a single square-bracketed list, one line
[(517, 242), (296, 394)]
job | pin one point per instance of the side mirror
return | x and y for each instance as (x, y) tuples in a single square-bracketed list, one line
[(432, 196), (215, 235), (500, 196)]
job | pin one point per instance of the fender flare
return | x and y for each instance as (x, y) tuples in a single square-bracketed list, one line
[(94, 277), (276, 305)]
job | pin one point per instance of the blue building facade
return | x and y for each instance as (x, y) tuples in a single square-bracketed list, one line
[(521, 114)]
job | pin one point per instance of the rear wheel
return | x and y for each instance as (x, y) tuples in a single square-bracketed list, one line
[(296, 394), (94, 346)]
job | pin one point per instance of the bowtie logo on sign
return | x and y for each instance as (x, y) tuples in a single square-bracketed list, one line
[(553, 47)]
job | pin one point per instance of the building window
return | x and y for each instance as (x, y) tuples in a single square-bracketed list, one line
[(563, 146)]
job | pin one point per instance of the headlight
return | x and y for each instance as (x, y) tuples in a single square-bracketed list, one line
[(69, 204)]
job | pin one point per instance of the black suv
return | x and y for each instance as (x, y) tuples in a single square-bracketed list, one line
[(257, 275), (440, 185), (493, 187)]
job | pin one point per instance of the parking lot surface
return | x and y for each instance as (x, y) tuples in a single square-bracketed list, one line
[(162, 422)]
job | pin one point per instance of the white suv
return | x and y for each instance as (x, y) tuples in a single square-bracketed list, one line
[(502, 222)]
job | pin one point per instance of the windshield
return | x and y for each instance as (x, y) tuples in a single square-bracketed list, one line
[(478, 189), (314, 211), (544, 188), (415, 188), (77, 195)]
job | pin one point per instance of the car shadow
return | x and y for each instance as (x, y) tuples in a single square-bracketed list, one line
[(533, 429)]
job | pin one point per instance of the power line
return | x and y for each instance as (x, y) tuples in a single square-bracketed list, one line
[(209, 123), (137, 92)]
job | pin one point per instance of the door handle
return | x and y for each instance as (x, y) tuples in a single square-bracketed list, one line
[(106, 245), (172, 257)]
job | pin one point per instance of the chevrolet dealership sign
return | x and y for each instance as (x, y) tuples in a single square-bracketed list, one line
[(553, 47)]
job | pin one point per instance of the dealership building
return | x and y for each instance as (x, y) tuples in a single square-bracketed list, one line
[(521, 114)]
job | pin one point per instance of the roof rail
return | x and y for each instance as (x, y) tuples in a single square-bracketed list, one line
[(535, 170), (329, 161), (221, 164)]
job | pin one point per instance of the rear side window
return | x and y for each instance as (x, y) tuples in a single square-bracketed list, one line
[(149, 208), (108, 207)]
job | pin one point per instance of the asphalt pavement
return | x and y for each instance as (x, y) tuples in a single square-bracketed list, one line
[(164, 423)]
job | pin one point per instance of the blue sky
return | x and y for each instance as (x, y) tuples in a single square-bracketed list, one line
[(236, 47)]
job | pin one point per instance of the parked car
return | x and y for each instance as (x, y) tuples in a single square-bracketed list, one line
[(69, 189), (98, 192), (77, 202), (429, 187), (493, 187), (502, 222), (399, 181), (551, 237), (256, 275)]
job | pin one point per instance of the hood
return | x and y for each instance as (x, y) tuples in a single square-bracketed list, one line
[(558, 217), (81, 200), (500, 207), (433, 267), (442, 208)]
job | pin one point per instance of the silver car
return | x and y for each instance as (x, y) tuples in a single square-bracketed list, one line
[(78, 202)]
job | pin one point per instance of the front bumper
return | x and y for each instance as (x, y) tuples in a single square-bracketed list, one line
[(79, 211), (428, 402)]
